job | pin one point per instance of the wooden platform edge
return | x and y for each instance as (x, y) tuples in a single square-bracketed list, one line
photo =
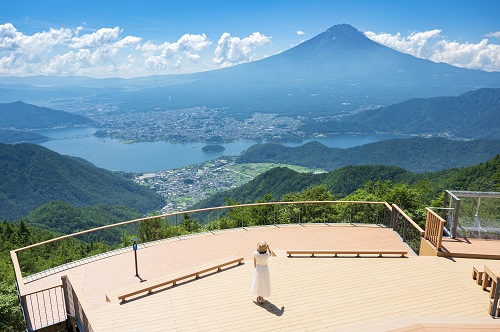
[(358, 253), (468, 255)]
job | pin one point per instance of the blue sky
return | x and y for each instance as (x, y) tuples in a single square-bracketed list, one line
[(137, 38)]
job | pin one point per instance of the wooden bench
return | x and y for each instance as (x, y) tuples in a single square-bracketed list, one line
[(173, 279), (477, 274), (358, 253)]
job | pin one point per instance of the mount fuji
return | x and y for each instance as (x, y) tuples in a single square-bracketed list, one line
[(336, 72)]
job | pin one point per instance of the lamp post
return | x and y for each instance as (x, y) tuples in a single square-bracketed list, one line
[(134, 246)]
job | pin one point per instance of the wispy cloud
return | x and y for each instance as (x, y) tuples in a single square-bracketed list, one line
[(494, 34), (433, 46), (301, 33)]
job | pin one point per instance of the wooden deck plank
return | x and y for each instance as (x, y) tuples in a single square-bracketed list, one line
[(307, 294)]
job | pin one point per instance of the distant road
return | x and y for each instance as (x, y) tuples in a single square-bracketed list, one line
[(70, 137)]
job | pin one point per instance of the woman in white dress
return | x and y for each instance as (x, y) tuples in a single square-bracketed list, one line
[(261, 283)]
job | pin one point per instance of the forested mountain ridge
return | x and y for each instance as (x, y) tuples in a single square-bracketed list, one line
[(18, 120), (413, 154), (8, 136), (342, 182), (474, 114), (281, 180), (482, 177), (31, 176), (67, 219), (19, 115)]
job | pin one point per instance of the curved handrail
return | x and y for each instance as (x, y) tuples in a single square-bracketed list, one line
[(192, 211), (15, 258)]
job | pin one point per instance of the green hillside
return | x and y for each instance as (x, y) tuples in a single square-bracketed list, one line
[(474, 114), (417, 154), (342, 182), (19, 115), (281, 180), (31, 176), (8, 136), (65, 218), (482, 177)]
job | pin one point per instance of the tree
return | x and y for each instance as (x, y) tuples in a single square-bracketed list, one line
[(410, 198), (10, 312), (150, 230), (23, 233), (190, 225), (308, 212), (265, 214)]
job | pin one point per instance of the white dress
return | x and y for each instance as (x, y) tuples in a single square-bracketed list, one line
[(261, 283)]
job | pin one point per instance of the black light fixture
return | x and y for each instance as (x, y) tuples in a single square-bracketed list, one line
[(134, 247)]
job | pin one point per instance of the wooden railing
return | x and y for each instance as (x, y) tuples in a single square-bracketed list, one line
[(410, 232), (45, 307), (434, 226), (42, 308), (76, 307)]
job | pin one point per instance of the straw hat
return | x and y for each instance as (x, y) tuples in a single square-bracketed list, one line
[(262, 247)]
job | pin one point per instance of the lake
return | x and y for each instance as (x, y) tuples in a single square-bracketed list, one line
[(144, 157)]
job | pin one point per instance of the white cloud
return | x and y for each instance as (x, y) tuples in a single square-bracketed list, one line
[(494, 34), (101, 37), (129, 41), (432, 46), (156, 62), (300, 32), (15, 41), (9, 37), (231, 50), (8, 66), (148, 47), (191, 43), (192, 57), (61, 65), (170, 53), (101, 53)]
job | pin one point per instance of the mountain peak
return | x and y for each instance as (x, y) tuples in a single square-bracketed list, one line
[(336, 46), (343, 29), (345, 36)]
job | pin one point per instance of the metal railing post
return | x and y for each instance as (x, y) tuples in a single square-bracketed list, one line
[(274, 215), (405, 224), (455, 219), (446, 202), (393, 218)]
